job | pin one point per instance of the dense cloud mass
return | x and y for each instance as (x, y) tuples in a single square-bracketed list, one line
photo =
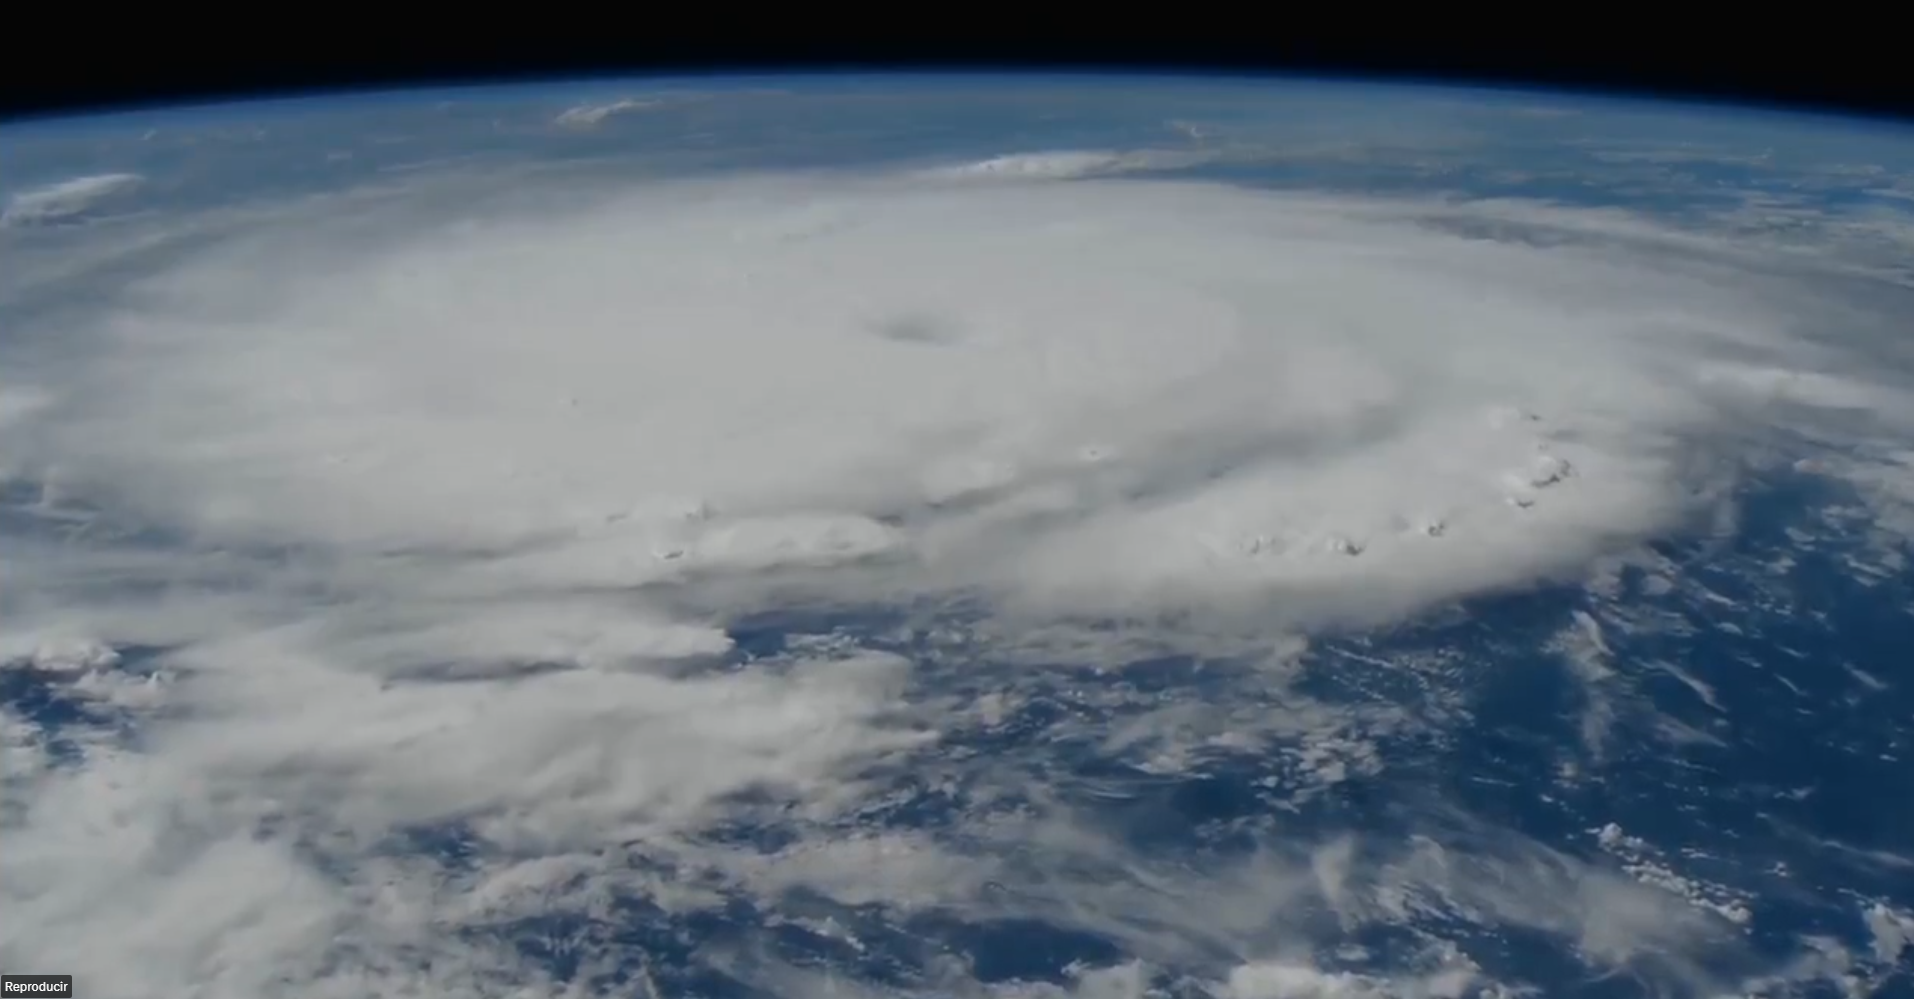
[(450, 517)]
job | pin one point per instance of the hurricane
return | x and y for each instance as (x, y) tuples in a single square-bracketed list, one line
[(1035, 569)]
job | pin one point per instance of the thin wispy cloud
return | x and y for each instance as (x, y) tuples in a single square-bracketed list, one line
[(67, 200), (585, 116)]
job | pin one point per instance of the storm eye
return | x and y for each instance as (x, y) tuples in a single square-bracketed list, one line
[(919, 329)]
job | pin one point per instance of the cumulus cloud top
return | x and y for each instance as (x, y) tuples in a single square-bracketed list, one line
[(453, 525)]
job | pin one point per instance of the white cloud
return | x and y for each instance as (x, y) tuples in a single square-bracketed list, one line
[(66, 199), (1893, 932), (593, 115), (1069, 164), (363, 470), (590, 377), (1278, 980)]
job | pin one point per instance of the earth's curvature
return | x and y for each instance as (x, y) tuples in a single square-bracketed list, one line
[(958, 538)]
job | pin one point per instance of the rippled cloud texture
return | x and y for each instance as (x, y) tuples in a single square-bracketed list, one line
[(360, 465)]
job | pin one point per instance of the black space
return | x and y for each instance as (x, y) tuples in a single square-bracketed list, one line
[(72, 60)]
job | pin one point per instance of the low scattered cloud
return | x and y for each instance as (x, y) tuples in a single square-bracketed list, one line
[(447, 528)]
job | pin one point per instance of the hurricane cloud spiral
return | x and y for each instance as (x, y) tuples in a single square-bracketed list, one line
[(449, 513)]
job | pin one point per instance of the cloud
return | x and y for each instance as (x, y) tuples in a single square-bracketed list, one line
[(67, 200), (1069, 164), (1143, 394), (586, 116), (448, 527)]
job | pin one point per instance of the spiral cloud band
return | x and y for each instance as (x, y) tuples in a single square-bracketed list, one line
[(453, 513)]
